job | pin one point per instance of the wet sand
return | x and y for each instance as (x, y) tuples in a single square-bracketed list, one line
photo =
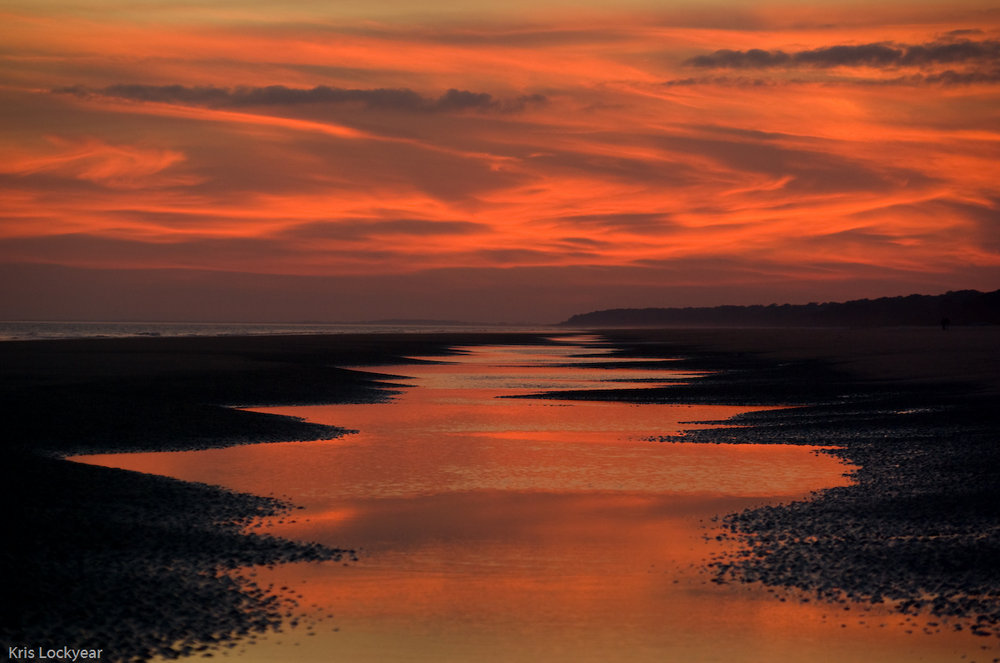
[(140, 565), (914, 408)]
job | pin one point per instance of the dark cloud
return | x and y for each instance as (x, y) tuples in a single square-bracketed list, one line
[(755, 58), (951, 52), (947, 77), (879, 55), (951, 77), (393, 99), (865, 55)]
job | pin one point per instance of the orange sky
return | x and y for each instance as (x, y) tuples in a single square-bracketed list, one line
[(524, 161)]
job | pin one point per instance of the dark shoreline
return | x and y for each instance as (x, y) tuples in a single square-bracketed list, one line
[(140, 565), (922, 518)]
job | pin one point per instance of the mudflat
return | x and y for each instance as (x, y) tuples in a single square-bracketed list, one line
[(914, 408), (138, 565)]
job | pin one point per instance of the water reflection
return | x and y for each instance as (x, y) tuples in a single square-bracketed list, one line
[(498, 529)]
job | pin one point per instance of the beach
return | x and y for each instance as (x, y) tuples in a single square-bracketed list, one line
[(134, 563), (914, 409)]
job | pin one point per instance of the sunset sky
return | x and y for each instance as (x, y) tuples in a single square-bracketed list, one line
[(491, 161)]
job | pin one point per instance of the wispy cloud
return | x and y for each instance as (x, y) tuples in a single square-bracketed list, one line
[(365, 229), (116, 166), (507, 151)]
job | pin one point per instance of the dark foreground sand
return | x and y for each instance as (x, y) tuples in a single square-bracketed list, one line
[(136, 565)]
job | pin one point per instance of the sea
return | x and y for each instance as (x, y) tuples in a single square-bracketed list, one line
[(35, 330)]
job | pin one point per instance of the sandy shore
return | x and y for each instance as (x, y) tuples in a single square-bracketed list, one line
[(913, 407)]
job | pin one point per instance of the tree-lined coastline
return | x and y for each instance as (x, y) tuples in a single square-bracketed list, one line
[(960, 307)]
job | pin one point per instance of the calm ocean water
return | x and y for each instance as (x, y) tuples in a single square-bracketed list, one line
[(26, 331)]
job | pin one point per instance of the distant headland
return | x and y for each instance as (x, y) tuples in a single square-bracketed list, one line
[(960, 307)]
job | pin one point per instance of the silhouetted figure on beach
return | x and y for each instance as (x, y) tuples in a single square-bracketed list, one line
[(945, 323)]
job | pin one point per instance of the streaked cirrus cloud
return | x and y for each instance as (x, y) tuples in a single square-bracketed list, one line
[(622, 155)]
